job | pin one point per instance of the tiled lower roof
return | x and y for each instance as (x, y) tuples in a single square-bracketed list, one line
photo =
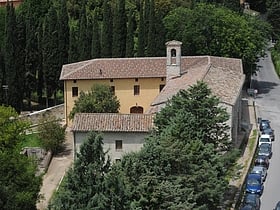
[(112, 122)]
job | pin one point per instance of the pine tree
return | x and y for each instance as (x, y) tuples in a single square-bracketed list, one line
[(84, 184), (106, 35), (73, 48), (96, 48), (141, 34), (130, 35), (119, 31)]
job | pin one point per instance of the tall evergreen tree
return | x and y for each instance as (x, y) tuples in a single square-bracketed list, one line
[(63, 33), (130, 34), (96, 47), (20, 60), (106, 33), (73, 48), (119, 30), (151, 47), (141, 34), (84, 187), (146, 16), (83, 39), (51, 54), (12, 74)]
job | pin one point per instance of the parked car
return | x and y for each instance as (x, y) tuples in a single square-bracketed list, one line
[(277, 207), (253, 200), (262, 160), (254, 184), (265, 149), (248, 207), (270, 132), (264, 124), (260, 170), (264, 138)]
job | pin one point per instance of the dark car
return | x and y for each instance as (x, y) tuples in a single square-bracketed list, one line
[(253, 200), (265, 149), (270, 132), (262, 160), (247, 207), (264, 124), (254, 184), (277, 207)]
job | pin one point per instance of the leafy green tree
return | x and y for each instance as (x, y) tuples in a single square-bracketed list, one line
[(19, 186), (273, 17), (84, 187), (119, 31), (52, 134), (106, 32), (221, 32), (99, 100)]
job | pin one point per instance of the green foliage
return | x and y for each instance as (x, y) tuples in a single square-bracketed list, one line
[(213, 30), (19, 187), (195, 114), (84, 187), (51, 133), (99, 100), (31, 140), (12, 129), (106, 34), (275, 54)]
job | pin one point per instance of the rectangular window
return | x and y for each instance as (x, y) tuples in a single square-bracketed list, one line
[(161, 87), (136, 90), (112, 89), (118, 145), (75, 91)]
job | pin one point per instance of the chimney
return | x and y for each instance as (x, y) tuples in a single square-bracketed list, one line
[(173, 56)]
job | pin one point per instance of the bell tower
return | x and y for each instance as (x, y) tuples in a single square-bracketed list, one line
[(173, 55)]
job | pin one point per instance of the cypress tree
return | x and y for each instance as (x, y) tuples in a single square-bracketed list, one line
[(83, 36), (120, 30), (141, 34), (20, 60), (73, 48), (130, 35), (51, 54), (146, 16), (10, 58), (106, 34), (96, 48), (63, 33), (151, 49)]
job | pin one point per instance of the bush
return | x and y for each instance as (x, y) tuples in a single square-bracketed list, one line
[(52, 134)]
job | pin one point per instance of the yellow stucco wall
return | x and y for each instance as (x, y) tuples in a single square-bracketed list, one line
[(124, 90)]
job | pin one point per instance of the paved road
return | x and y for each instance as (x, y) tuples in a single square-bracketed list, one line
[(268, 106), (57, 169)]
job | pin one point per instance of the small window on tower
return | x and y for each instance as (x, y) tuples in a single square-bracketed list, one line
[(119, 145), (161, 87), (173, 53), (112, 89)]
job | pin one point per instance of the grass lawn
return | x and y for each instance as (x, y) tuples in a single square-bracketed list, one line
[(31, 140)]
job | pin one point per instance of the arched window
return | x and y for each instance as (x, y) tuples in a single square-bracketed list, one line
[(173, 53), (136, 110)]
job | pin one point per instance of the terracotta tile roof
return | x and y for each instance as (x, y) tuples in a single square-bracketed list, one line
[(116, 68), (112, 122), (223, 75)]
